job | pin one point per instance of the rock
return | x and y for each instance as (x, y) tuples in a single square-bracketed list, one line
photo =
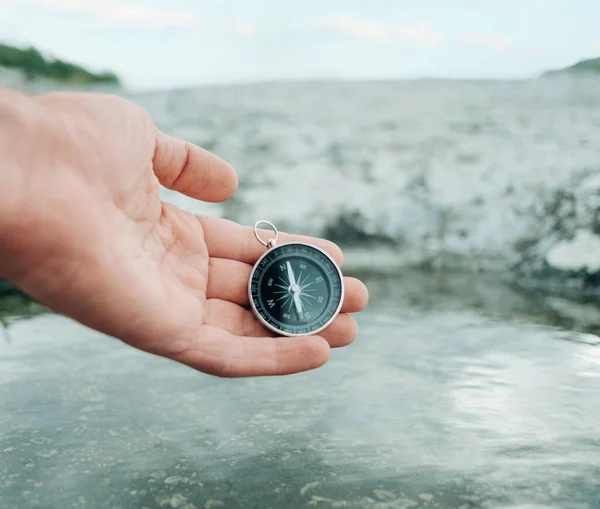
[(582, 253), (566, 256)]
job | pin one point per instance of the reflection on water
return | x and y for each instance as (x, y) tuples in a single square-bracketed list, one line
[(485, 295), (458, 393)]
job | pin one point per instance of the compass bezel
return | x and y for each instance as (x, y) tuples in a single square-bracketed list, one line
[(277, 330)]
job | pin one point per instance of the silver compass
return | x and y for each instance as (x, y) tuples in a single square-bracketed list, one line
[(295, 289)]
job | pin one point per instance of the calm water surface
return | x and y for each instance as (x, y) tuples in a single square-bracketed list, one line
[(459, 392)]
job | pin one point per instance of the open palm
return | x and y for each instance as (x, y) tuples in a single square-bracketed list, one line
[(96, 242)]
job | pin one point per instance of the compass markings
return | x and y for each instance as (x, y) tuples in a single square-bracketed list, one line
[(320, 288)]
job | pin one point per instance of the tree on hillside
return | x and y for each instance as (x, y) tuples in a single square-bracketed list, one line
[(32, 63)]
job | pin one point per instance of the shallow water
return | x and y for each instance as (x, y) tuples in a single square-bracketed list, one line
[(458, 393)]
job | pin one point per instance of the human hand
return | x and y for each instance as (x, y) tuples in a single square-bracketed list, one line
[(83, 231)]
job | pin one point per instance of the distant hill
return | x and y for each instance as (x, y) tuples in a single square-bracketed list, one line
[(34, 65), (587, 67)]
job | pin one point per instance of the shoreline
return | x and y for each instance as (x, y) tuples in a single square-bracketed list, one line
[(490, 294)]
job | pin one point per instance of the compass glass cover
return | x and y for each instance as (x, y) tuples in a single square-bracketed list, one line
[(296, 289)]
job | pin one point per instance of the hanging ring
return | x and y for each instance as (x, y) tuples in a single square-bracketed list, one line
[(268, 243)]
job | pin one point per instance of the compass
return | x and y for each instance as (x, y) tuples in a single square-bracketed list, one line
[(295, 289)]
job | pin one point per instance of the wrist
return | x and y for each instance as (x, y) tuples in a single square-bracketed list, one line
[(24, 134), (18, 126)]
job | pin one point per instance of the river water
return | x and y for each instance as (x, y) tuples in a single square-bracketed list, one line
[(460, 391)]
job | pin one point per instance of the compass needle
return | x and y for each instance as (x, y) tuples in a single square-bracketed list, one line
[(290, 273), (295, 289)]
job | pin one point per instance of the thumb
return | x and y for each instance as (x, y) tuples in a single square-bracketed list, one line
[(191, 170)]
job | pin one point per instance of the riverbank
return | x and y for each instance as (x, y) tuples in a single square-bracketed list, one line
[(484, 294), (589, 67), (34, 65)]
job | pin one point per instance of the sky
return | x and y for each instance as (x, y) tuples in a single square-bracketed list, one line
[(155, 44)]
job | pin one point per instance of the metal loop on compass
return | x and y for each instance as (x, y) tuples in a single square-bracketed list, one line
[(268, 243)]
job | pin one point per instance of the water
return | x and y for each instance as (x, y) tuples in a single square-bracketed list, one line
[(461, 391), (494, 175)]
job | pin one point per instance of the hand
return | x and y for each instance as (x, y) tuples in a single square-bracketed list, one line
[(83, 231)]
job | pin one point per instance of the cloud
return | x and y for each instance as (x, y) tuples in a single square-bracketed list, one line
[(245, 28), (126, 13), (420, 33), (490, 42), (596, 44), (354, 27)]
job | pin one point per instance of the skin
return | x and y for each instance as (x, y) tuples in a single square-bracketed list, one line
[(83, 230)]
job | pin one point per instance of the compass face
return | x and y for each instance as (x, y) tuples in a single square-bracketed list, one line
[(296, 289)]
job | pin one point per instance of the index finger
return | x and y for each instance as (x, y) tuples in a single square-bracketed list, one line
[(226, 239)]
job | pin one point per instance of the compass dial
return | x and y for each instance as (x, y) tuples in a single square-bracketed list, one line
[(296, 289)]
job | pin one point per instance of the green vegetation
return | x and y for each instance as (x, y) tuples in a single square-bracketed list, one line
[(14, 308), (591, 66), (31, 62)]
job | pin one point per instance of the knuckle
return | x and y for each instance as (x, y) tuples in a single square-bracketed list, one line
[(182, 166)]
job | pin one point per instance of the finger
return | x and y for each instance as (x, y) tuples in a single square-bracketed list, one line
[(242, 322), (356, 295), (191, 170), (234, 319), (228, 280), (221, 353), (226, 239), (342, 331)]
